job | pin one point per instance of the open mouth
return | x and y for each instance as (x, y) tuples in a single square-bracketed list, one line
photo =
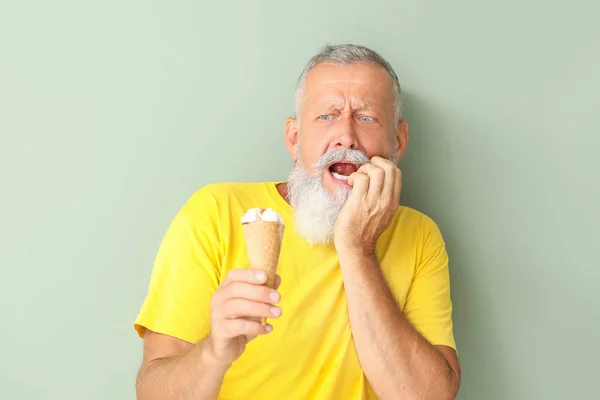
[(342, 170)]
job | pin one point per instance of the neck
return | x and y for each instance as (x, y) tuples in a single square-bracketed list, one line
[(282, 188)]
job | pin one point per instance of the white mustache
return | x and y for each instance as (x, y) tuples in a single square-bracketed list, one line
[(336, 155)]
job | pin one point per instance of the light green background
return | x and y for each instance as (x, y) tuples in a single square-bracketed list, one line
[(112, 113)]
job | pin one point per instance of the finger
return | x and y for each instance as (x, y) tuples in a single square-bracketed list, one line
[(238, 327), (242, 308), (277, 282), (376, 179), (248, 275), (249, 291), (397, 186), (360, 184), (390, 171), (267, 328)]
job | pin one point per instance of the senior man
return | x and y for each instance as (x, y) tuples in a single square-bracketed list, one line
[(361, 307)]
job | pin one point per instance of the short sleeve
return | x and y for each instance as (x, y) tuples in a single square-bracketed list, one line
[(185, 275), (428, 305)]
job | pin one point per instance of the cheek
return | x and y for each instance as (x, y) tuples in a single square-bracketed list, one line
[(307, 154), (378, 144), (312, 146)]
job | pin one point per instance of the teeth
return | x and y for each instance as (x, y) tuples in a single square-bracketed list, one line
[(340, 177)]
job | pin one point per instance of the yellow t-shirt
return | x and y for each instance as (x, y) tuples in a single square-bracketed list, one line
[(310, 353)]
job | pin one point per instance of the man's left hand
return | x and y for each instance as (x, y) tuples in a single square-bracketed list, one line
[(370, 208)]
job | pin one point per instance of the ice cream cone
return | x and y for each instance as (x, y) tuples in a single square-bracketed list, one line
[(263, 230), (263, 241)]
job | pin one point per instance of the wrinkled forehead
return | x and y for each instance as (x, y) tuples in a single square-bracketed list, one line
[(358, 79)]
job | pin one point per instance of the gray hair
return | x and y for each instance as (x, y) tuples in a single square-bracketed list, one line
[(344, 54)]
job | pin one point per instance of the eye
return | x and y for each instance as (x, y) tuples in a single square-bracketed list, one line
[(327, 117), (366, 118)]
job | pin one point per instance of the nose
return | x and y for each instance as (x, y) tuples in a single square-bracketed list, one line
[(345, 135)]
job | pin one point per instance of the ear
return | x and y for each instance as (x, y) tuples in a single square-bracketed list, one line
[(292, 136), (402, 138)]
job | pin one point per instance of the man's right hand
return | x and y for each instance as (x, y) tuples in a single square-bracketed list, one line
[(236, 309)]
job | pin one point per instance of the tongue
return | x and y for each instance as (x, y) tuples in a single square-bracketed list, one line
[(344, 169)]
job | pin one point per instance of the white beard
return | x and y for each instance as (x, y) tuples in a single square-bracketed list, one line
[(316, 209)]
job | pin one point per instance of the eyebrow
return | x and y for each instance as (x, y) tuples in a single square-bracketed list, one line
[(334, 104), (329, 104)]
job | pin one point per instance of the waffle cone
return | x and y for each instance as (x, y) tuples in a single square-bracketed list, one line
[(263, 242)]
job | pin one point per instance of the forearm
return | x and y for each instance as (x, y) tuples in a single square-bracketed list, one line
[(396, 359), (191, 375)]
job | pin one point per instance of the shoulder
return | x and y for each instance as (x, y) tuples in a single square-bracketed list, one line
[(409, 216), (219, 189), (209, 197), (420, 226)]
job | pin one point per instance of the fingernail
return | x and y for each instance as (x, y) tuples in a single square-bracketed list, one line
[(268, 328), (260, 276), (276, 311), (274, 296)]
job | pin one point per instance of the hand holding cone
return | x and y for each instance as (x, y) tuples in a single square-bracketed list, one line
[(263, 230)]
